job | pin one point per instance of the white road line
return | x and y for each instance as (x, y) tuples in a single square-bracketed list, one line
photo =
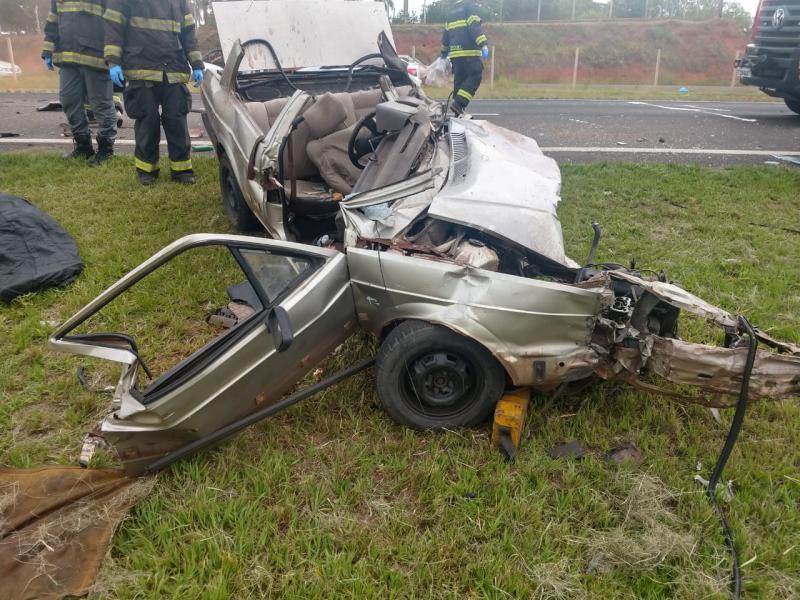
[(697, 110), (68, 141), (707, 108), (710, 151), (484, 114)]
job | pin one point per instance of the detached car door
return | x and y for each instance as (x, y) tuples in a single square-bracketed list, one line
[(210, 329)]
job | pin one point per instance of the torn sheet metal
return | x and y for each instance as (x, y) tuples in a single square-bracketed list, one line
[(502, 184), (679, 298), (55, 527)]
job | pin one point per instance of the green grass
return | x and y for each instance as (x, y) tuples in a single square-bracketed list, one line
[(332, 499)]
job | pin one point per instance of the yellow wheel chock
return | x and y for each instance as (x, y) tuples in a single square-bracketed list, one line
[(509, 419)]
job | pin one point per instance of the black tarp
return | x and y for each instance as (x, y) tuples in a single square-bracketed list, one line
[(35, 251)]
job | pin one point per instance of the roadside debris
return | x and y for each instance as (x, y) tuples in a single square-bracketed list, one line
[(52, 106), (36, 253), (793, 159), (626, 452), (8, 134), (55, 527), (571, 449)]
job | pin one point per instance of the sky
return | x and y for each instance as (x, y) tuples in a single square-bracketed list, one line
[(416, 5)]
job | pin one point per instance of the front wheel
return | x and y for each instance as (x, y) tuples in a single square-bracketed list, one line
[(429, 377), (239, 214), (793, 104)]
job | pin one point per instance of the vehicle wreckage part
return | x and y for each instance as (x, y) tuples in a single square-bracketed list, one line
[(232, 428), (730, 440), (592, 251), (509, 421), (429, 377)]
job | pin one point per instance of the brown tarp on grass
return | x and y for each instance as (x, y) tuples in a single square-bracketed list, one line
[(55, 526)]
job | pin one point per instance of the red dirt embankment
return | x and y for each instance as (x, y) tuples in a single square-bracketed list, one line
[(699, 52), (696, 52)]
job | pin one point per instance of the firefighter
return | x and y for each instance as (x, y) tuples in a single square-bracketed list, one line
[(466, 45), (73, 41), (152, 44)]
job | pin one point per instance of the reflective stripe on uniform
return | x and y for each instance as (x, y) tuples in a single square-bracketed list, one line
[(188, 20), (145, 166), (51, 18), (181, 165), (455, 24), (473, 19), (87, 7), (114, 16), (48, 47), (464, 94), (112, 50), (463, 53), (480, 40), (79, 59), (153, 75), (195, 56), (156, 24)]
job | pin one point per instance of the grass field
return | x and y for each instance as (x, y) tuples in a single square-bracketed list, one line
[(332, 499)]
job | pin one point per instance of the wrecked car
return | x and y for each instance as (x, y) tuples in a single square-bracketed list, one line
[(437, 235)]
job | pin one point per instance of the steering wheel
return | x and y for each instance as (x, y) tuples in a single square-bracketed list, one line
[(358, 149)]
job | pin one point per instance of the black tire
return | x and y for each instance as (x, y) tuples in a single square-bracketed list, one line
[(429, 377), (793, 104), (239, 214)]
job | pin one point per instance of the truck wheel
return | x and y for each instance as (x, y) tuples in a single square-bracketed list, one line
[(239, 214), (793, 104), (429, 377)]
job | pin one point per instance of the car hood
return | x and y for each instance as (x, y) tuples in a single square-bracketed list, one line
[(303, 33), (500, 182), (497, 181)]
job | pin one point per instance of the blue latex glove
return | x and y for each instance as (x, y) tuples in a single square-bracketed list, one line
[(197, 74), (485, 52), (48, 60), (117, 76)]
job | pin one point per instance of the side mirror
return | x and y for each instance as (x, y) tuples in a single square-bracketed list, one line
[(281, 328)]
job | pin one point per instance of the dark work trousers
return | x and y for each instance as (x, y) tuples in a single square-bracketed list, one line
[(79, 83), (142, 102), (467, 74)]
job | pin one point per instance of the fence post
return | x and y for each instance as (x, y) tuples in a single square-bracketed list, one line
[(733, 77), (413, 52), (539, 11), (573, 10), (575, 68), (658, 67), (491, 69), (11, 58)]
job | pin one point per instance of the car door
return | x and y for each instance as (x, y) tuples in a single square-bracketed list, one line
[(208, 330)]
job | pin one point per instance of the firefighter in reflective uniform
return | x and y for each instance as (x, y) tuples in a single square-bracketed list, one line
[(152, 45), (467, 47), (73, 41)]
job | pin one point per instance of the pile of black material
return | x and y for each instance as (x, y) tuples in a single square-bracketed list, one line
[(35, 251)]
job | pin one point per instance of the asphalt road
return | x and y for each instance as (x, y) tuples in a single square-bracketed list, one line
[(572, 131)]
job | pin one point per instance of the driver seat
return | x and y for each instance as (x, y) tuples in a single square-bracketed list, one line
[(315, 139)]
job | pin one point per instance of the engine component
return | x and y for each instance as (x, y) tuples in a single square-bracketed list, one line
[(476, 254)]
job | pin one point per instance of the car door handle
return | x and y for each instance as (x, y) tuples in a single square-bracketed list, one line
[(279, 325)]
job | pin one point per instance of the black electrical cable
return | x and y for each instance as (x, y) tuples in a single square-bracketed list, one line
[(733, 434), (274, 57)]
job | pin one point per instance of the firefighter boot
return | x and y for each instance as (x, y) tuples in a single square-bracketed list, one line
[(105, 150), (81, 147), (184, 177)]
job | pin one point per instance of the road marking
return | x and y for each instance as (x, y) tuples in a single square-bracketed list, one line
[(697, 110), (708, 108), (68, 141), (484, 114), (711, 151)]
